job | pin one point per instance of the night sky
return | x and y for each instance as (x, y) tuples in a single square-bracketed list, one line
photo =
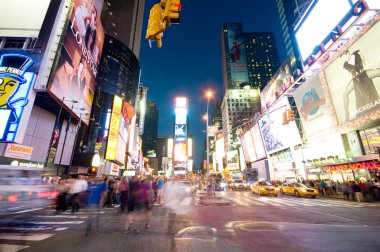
[(189, 61)]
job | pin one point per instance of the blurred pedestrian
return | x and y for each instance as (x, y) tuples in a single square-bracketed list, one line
[(61, 195), (357, 191), (160, 190), (123, 189), (97, 191), (133, 190), (79, 185)]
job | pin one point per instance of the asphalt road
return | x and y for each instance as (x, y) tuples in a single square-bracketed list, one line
[(250, 223)]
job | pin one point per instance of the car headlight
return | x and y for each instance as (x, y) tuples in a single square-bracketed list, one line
[(188, 189), (262, 189), (303, 190), (222, 184)]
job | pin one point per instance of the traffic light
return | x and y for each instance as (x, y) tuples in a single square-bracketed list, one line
[(291, 115), (172, 10), (285, 119), (92, 171), (156, 23)]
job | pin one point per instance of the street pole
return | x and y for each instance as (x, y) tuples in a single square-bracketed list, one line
[(207, 145)]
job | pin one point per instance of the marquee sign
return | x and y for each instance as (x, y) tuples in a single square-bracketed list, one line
[(114, 129), (15, 85)]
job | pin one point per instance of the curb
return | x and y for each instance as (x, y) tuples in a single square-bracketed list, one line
[(215, 203)]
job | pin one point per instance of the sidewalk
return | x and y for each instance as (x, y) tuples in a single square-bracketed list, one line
[(340, 196)]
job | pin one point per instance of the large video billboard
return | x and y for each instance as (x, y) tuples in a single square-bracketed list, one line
[(353, 78), (236, 57), (277, 136), (248, 147), (77, 66), (258, 142), (180, 132)]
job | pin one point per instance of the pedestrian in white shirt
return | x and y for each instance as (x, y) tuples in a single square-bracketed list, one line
[(78, 186)]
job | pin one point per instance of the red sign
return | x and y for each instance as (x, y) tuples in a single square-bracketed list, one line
[(367, 165)]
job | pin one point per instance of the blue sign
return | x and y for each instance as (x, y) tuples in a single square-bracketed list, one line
[(15, 85)]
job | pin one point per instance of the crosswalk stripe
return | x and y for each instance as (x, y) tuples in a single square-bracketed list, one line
[(21, 237), (57, 222), (279, 201), (12, 248), (61, 216)]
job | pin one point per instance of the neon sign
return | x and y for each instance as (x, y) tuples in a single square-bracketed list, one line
[(114, 128), (15, 85)]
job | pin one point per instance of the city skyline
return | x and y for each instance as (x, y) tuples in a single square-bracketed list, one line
[(196, 43)]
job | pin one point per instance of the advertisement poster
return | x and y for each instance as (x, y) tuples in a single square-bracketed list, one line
[(317, 120), (15, 83), (277, 136), (233, 160), (258, 142), (248, 147), (354, 78), (236, 56), (180, 132), (78, 63)]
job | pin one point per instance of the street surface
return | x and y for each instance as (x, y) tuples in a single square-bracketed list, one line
[(250, 223)]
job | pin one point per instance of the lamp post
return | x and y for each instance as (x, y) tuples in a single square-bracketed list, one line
[(208, 95)]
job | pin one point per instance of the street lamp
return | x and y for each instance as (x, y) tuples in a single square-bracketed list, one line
[(208, 95)]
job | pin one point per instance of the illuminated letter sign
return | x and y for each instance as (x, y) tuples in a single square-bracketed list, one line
[(114, 128), (15, 84)]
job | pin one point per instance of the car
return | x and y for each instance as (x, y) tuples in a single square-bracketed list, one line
[(238, 184), (23, 189), (298, 189), (264, 188), (186, 187)]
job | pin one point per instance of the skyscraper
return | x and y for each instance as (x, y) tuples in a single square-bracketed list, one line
[(149, 138), (123, 19), (249, 61), (290, 11)]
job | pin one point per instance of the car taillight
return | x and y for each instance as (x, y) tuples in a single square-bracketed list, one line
[(12, 198)]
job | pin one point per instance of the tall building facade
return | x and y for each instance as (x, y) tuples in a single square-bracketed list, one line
[(123, 20), (149, 138), (290, 11), (249, 61), (217, 115), (262, 57)]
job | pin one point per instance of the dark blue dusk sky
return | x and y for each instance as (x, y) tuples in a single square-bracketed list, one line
[(189, 61)]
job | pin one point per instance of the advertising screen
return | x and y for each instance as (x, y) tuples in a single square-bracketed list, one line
[(248, 147), (15, 96), (180, 115), (277, 136), (258, 142), (278, 85), (180, 152), (354, 78), (317, 120), (20, 18), (233, 160), (236, 55), (77, 66), (314, 29), (113, 133), (180, 133)]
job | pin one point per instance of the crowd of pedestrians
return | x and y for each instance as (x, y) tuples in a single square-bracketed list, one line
[(129, 196)]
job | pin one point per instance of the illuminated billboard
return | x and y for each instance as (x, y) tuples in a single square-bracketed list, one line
[(277, 136), (236, 56), (233, 160), (20, 18), (15, 96), (317, 120), (77, 66), (170, 147), (180, 152), (181, 102), (190, 147), (180, 133), (279, 83), (314, 29), (113, 133), (353, 78), (180, 115), (258, 142), (248, 147)]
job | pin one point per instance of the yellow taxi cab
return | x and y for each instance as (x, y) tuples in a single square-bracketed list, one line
[(298, 189), (264, 188)]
